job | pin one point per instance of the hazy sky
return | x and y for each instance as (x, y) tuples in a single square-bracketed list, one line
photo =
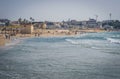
[(58, 10)]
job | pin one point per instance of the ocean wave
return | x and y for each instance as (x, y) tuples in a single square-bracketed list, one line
[(81, 35), (72, 41), (112, 40), (13, 42), (96, 48), (115, 36), (90, 42)]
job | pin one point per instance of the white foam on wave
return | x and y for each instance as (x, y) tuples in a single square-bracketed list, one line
[(72, 41), (89, 43), (82, 35), (115, 36), (113, 40), (85, 41), (95, 48), (13, 42)]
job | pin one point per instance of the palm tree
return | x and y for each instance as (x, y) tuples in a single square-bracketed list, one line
[(31, 19), (25, 21)]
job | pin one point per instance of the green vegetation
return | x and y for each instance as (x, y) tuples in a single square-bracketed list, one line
[(115, 24)]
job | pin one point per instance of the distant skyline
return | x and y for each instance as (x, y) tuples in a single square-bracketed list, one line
[(59, 10)]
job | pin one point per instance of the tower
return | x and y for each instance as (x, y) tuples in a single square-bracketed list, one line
[(96, 16), (110, 15)]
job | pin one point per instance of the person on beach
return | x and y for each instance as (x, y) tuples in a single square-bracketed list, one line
[(35, 34), (6, 36), (38, 34)]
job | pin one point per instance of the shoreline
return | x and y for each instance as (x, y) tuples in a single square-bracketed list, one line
[(47, 33)]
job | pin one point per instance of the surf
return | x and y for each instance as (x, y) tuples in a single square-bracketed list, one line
[(112, 40), (72, 41)]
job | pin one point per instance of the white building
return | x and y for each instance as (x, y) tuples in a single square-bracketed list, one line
[(91, 23)]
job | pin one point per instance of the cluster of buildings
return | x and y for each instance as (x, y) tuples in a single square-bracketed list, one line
[(91, 23), (4, 22), (30, 27)]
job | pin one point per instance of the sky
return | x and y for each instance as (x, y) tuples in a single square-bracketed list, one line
[(59, 10)]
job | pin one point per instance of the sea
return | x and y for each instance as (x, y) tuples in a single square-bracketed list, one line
[(84, 56)]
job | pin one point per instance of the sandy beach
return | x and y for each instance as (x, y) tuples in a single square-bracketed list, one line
[(46, 33)]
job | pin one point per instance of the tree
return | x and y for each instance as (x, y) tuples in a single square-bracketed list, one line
[(7, 23), (20, 20), (25, 21), (115, 24), (31, 19)]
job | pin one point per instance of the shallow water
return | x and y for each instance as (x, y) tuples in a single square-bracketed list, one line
[(89, 56)]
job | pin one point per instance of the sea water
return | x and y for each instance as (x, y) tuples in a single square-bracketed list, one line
[(86, 56)]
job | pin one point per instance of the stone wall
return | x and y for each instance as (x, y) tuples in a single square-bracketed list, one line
[(27, 29), (2, 40)]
